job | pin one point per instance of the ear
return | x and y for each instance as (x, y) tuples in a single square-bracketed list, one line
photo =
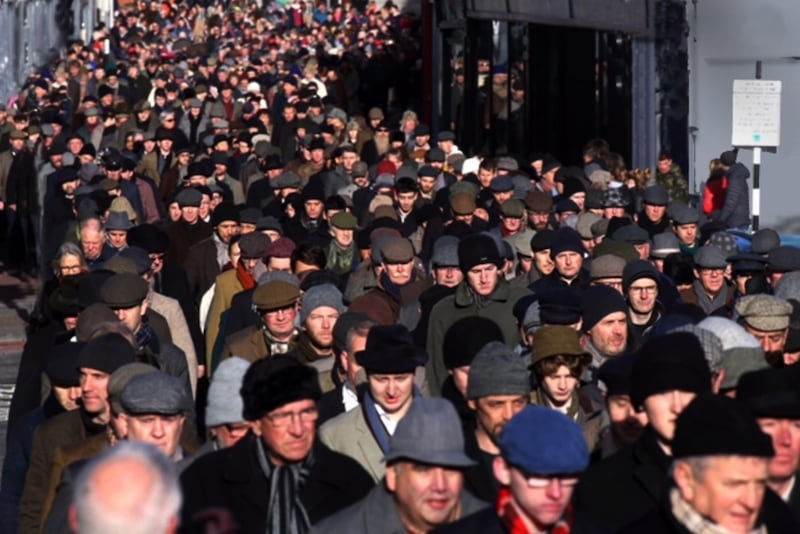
[(391, 477), (684, 480), (472, 404), (145, 305), (344, 358), (255, 428), (716, 383), (696, 273), (73, 519), (501, 471)]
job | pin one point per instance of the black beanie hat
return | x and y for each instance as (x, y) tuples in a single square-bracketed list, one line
[(106, 353), (716, 425), (667, 363), (638, 269), (477, 249), (599, 301), (270, 383), (224, 212), (566, 240), (465, 337)]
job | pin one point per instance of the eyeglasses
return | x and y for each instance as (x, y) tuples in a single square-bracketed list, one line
[(645, 289), (284, 419), (544, 482)]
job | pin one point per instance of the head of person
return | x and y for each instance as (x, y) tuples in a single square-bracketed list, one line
[(425, 465), (189, 200), (278, 256), (512, 216), (664, 244), (320, 308), (710, 263), (479, 259), (92, 238), (99, 358), (540, 469), (131, 487), (540, 247), (126, 294), (342, 229), (766, 317), (276, 303), (626, 421), (62, 371), (389, 359), (539, 206), (253, 248), (684, 224), (782, 259), (664, 162), (667, 374), (558, 361), (349, 337), (280, 397), (69, 261), (640, 285), (606, 270), (604, 313), (444, 262), (462, 341), (567, 252), (720, 466), (224, 419), (225, 220), (154, 410), (397, 254), (654, 201), (498, 388)]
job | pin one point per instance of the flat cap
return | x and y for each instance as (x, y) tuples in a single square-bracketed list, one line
[(767, 313), (664, 244), (513, 208), (344, 221), (784, 258), (124, 290), (584, 225), (502, 184), (397, 250), (287, 180), (275, 295), (606, 266), (710, 257), (462, 203), (539, 201), (154, 393), (631, 233), (445, 252), (189, 198), (763, 241), (683, 214), (747, 262), (656, 195), (446, 135), (254, 245), (120, 378), (554, 340)]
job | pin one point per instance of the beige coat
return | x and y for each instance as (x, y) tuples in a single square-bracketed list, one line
[(179, 329), (349, 434), (227, 285)]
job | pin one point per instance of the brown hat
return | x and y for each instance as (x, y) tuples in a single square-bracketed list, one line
[(275, 295), (18, 134), (606, 266), (553, 340), (513, 209), (539, 201), (386, 211), (124, 290), (462, 204), (397, 250)]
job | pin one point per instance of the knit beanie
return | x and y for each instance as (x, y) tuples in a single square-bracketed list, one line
[(477, 249), (224, 400), (465, 337), (566, 240), (321, 295), (496, 370), (636, 270), (599, 301)]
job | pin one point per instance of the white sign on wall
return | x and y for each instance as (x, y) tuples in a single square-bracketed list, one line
[(756, 113)]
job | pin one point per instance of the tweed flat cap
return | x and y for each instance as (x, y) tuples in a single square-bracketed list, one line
[(683, 214), (585, 223), (664, 244), (631, 233), (189, 198), (710, 257), (606, 266), (120, 378), (275, 295), (397, 250), (154, 393), (124, 290), (553, 340), (445, 252), (767, 313), (496, 370), (344, 221), (656, 195), (254, 245)]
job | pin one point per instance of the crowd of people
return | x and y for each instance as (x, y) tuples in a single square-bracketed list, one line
[(273, 299)]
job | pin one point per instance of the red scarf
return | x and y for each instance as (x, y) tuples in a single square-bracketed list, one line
[(247, 281), (514, 523)]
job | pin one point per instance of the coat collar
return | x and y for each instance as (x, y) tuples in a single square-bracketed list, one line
[(465, 296)]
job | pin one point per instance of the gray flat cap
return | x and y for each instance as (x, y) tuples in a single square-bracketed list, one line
[(710, 257), (154, 393), (496, 370)]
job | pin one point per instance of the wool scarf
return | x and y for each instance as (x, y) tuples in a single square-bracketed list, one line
[(285, 511), (247, 281)]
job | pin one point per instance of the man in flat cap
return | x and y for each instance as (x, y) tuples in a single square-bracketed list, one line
[(774, 400), (710, 289), (424, 484), (253, 247), (537, 473), (389, 360), (685, 225), (206, 259), (343, 256), (483, 292), (189, 229), (296, 478), (653, 217), (276, 303), (668, 373), (720, 466), (399, 285), (783, 259), (766, 317), (498, 388)]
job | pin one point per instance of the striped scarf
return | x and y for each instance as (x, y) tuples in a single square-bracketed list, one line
[(285, 512)]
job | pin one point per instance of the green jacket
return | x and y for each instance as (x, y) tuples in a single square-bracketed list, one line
[(498, 307), (675, 183)]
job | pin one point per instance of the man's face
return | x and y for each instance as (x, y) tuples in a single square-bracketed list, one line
[(393, 393), (399, 273), (279, 264), (663, 409), (501, 197), (165, 145), (205, 206), (117, 238), (314, 208), (94, 390), (162, 431), (17, 144), (280, 322), (447, 275), (348, 160), (493, 412), (512, 225), (190, 214), (426, 496), (642, 295), (92, 244), (568, 264), (729, 490), (406, 201), (610, 334), (131, 317), (343, 237), (543, 262), (483, 278), (626, 423), (785, 434), (67, 397), (687, 233), (540, 500), (712, 280), (560, 385), (426, 184), (226, 230), (485, 177), (288, 431), (664, 165), (771, 342), (229, 434), (319, 326), (655, 213)]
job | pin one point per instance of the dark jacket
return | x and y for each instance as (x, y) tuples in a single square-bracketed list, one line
[(232, 478), (736, 211), (182, 236), (484, 522), (623, 487), (201, 267)]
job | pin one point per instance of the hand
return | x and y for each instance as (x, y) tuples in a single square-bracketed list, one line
[(12, 207), (2, 205), (201, 371)]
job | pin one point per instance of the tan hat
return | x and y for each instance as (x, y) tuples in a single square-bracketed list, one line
[(386, 211), (553, 340), (607, 266), (462, 204), (539, 201), (275, 295), (767, 313), (584, 225)]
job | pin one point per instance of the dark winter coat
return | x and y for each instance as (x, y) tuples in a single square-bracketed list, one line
[(736, 211)]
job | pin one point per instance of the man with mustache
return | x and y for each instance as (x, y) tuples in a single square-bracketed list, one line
[(766, 317)]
